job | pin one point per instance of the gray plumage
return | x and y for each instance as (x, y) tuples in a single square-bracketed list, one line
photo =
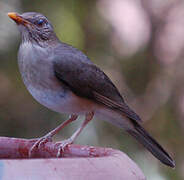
[(86, 80), (63, 79)]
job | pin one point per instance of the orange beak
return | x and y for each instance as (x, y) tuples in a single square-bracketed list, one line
[(18, 19)]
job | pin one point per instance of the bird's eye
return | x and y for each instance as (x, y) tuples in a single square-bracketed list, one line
[(40, 22)]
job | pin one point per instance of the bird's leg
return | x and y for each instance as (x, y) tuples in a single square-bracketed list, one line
[(66, 142), (48, 137)]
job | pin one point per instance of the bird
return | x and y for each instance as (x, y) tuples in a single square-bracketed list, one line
[(63, 79)]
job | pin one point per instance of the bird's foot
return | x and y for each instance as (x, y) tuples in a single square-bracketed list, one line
[(62, 145), (41, 141)]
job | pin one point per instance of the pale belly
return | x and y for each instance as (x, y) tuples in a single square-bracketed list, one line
[(62, 101)]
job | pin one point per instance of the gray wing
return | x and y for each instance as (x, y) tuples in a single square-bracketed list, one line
[(88, 81)]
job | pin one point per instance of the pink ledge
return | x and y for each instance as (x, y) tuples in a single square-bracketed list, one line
[(77, 162)]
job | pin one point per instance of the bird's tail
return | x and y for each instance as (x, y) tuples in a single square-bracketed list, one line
[(151, 145)]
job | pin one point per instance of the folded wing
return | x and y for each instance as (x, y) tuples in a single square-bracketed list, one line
[(88, 81)]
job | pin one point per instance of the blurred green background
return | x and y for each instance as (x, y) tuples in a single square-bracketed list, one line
[(138, 43)]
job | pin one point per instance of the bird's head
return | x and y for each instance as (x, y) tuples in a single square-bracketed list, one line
[(34, 27)]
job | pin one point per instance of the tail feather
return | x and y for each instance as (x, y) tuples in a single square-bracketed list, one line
[(150, 144)]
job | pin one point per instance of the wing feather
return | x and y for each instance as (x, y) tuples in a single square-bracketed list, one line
[(122, 107), (88, 81)]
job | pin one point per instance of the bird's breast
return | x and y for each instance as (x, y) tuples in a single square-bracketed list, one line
[(37, 73), (35, 66)]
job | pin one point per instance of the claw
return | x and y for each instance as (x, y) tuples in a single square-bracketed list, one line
[(48, 137), (39, 143), (63, 145), (44, 140)]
